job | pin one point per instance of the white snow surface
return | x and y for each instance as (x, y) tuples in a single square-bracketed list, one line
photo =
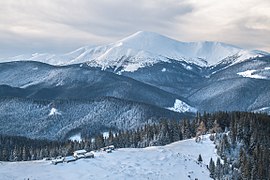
[(163, 70), (143, 49), (54, 112), (76, 137), (252, 74), (105, 134), (174, 161), (180, 106), (263, 110)]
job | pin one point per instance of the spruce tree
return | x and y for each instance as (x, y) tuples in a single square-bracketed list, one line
[(200, 158), (218, 170), (212, 168)]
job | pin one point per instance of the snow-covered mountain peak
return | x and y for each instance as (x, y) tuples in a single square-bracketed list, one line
[(144, 39), (143, 49)]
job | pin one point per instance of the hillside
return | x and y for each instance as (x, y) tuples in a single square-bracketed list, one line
[(243, 86), (42, 81), (237, 87), (56, 119), (172, 161)]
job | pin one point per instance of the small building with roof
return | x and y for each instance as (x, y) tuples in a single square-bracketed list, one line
[(79, 153), (68, 159), (58, 160), (89, 155)]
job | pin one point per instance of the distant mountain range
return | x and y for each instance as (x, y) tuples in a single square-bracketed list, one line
[(143, 77), (143, 49)]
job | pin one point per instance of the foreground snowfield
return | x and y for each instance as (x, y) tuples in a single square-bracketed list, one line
[(174, 161)]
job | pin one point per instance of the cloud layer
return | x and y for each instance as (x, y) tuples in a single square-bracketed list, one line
[(28, 26)]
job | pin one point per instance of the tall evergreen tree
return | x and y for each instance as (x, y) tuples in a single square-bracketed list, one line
[(212, 168)]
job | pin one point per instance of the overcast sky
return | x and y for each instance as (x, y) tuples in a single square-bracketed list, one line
[(57, 26)]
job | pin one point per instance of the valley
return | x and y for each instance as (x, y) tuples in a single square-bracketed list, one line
[(151, 94)]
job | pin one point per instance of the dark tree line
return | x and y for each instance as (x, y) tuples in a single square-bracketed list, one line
[(161, 133), (16, 148)]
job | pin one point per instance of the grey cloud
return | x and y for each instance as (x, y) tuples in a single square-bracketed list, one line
[(252, 30), (77, 21), (60, 25), (117, 17)]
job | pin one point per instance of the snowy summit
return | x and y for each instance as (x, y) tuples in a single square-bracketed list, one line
[(143, 49)]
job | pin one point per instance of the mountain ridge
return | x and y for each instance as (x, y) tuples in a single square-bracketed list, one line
[(143, 49), (42, 81), (55, 119)]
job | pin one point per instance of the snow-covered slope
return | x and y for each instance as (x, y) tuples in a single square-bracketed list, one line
[(180, 106), (256, 74), (143, 49), (175, 161)]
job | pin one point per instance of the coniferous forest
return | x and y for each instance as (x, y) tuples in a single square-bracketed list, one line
[(242, 141)]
